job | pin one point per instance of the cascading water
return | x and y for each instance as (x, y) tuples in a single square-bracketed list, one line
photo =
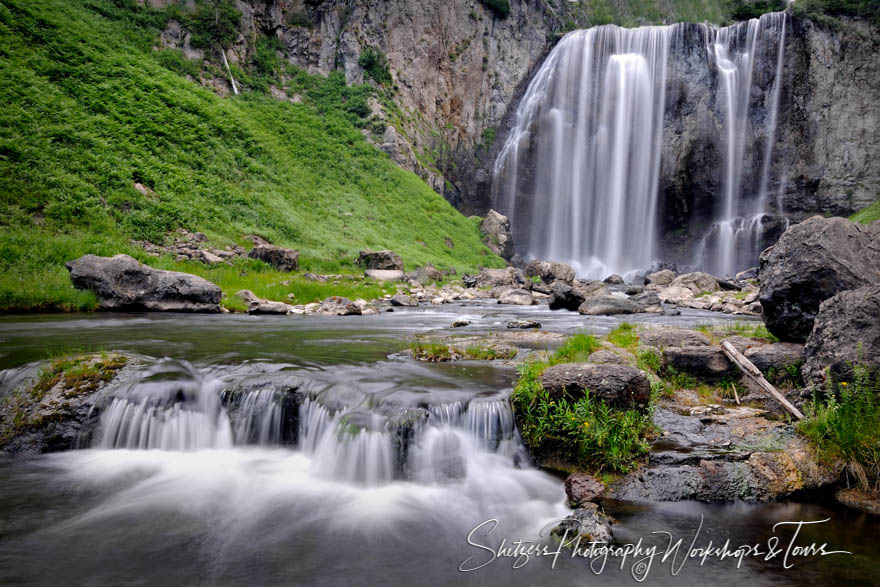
[(580, 172), (585, 151)]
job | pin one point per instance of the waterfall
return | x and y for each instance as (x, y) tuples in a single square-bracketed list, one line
[(580, 171)]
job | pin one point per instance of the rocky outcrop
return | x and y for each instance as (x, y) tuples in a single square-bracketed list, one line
[(496, 230), (813, 261), (846, 333), (550, 271), (617, 385), (381, 260), (707, 363), (498, 277), (123, 283), (585, 525), (278, 257), (565, 296), (609, 305)]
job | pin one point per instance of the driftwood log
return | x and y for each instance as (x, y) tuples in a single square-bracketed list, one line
[(749, 369)]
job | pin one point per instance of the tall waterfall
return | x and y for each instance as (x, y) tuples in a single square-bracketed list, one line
[(579, 174)]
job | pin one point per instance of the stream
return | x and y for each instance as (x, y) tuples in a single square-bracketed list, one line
[(202, 470)]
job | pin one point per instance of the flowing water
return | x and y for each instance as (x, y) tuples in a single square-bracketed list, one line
[(579, 172), (245, 450)]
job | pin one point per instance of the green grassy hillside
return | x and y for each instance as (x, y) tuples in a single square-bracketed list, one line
[(867, 215), (88, 108)]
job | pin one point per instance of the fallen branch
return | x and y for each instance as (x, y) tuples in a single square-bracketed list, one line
[(229, 71), (749, 369)]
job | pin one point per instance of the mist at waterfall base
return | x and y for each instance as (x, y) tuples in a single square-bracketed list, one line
[(580, 172), (316, 452)]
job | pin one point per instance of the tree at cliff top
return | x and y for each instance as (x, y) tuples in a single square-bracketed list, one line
[(89, 109)]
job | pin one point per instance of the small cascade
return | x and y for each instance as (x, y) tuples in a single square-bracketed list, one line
[(259, 418)]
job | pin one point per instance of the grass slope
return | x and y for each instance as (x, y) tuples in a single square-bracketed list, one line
[(867, 215), (88, 108)]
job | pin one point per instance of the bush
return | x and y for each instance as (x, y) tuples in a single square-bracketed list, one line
[(215, 22), (745, 10), (869, 9), (375, 65), (845, 428)]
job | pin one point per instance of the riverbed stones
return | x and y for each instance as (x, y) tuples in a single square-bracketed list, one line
[(608, 305), (496, 230), (659, 279), (425, 274), (550, 271), (846, 333), (813, 261), (382, 260), (582, 488), (620, 386), (402, 300), (338, 306), (698, 282), (495, 277), (707, 363), (280, 258), (123, 283)]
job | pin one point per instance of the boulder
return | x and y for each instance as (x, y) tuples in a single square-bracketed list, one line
[(403, 300), (846, 332), (742, 343), (607, 305), (565, 296), (382, 260), (813, 261), (660, 279), (610, 357), (697, 282), (269, 307), (338, 306), (550, 271), (496, 277), (614, 279), (581, 488), (122, 283), (425, 275), (672, 337), (385, 274), (522, 324), (496, 234), (585, 525), (517, 297), (278, 257), (460, 323), (620, 386), (707, 363), (675, 294), (650, 300), (777, 357)]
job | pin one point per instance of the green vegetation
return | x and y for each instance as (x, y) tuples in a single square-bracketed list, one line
[(867, 215), (80, 373), (624, 336), (744, 10), (845, 429), (585, 431), (754, 330), (89, 109), (436, 352), (868, 9), (501, 8), (215, 22), (375, 65)]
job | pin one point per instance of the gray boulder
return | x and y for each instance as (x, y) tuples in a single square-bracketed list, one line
[(846, 332), (122, 283), (586, 524), (496, 234), (620, 386), (522, 324), (698, 282), (550, 271), (672, 337), (564, 296), (614, 279), (403, 300), (278, 257), (425, 275), (581, 488), (707, 363), (517, 297), (496, 277), (383, 260), (811, 262), (777, 357), (608, 305), (385, 274), (660, 278), (339, 306)]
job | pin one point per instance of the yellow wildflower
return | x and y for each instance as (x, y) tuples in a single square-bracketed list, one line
[(843, 383)]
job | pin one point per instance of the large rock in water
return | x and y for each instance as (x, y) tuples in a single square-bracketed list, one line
[(278, 257), (496, 277), (565, 296), (382, 260), (846, 333), (496, 228), (608, 305), (123, 283), (550, 271), (811, 262), (620, 386)]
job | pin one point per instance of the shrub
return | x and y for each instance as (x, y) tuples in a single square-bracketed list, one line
[(846, 428), (375, 65), (214, 22)]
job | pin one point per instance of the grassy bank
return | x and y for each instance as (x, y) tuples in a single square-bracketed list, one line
[(89, 108), (867, 215)]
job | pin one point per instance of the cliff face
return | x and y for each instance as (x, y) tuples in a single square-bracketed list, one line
[(458, 71)]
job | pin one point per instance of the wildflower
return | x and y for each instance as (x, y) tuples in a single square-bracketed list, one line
[(586, 424), (843, 383)]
